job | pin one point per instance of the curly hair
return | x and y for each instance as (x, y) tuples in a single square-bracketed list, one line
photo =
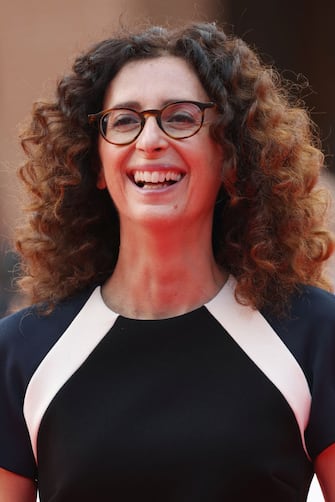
[(269, 223)]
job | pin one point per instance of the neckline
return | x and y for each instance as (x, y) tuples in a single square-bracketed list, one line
[(227, 287)]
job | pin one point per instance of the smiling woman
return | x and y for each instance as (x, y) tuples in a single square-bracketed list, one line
[(171, 141), (181, 336)]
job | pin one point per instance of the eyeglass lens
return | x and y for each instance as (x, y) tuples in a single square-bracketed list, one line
[(177, 120)]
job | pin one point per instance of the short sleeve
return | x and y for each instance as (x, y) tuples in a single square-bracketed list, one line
[(308, 330), (320, 432), (15, 449), (25, 339)]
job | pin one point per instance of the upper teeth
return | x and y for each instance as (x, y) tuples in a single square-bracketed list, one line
[(156, 176)]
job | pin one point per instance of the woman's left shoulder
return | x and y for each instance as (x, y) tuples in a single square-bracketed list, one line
[(311, 339), (308, 325), (313, 302)]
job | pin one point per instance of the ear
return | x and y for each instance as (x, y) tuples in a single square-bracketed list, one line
[(101, 180)]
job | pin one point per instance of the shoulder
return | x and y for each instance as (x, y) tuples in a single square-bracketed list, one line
[(312, 339), (308, 328), (308, 331), (27, 335), (314, 302), (310, 311)]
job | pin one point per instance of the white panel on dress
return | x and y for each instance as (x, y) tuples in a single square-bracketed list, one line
[(84, 333), (260, 342)]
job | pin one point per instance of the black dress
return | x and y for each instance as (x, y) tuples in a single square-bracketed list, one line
[(168, 410)]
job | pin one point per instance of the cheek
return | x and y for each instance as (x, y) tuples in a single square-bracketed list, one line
[(212, 155), (107, 161), (206, 148), (113, 160)]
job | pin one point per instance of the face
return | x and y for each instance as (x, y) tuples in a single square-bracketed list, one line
[(156, 178)]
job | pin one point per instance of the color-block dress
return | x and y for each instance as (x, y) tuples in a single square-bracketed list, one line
[(207, 406)]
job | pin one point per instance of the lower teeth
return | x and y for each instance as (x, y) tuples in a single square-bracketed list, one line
[(154, 186)]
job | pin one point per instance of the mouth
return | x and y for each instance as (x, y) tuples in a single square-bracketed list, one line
[(155, 180)]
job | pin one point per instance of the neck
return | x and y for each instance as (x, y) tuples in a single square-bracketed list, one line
[(163, 273)]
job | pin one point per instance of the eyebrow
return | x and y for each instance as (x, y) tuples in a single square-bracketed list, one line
[(137, 106)]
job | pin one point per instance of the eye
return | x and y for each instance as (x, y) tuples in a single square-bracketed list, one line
[(181, 116), (121, 120)]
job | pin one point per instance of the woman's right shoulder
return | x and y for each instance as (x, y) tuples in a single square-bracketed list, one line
[(32, 326), (19, 324)]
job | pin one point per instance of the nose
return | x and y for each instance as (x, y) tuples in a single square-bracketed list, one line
[(152, 138)]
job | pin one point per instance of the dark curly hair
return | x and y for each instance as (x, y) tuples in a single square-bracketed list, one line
[(268, 228)]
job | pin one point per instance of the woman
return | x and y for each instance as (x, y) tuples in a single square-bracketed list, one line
[(158, 229)]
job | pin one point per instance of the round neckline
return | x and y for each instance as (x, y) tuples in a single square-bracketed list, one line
[(229, 283)]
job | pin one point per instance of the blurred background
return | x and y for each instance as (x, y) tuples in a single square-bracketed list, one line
[(39, 40)]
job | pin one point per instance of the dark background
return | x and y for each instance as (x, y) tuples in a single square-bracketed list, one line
[(298, 37)]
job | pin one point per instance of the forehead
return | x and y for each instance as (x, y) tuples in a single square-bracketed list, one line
[(153, 82)]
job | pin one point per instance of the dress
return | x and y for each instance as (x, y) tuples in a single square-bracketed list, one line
[(168, 410)]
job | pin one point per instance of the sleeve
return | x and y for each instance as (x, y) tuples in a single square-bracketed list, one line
[(320, 432), (15, 449)]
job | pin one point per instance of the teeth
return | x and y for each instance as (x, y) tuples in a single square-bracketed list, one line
[(156, 176)]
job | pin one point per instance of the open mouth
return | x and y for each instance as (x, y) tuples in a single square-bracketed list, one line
[(156, 180)]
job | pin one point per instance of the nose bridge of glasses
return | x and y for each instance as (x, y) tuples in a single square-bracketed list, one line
[(155, 114), (151, 113)]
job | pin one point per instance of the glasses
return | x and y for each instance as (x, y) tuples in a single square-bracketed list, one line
[(179, 120)]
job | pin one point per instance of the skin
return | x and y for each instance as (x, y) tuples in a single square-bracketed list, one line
[(325, 471), (151, 84), (15, 488), (165, 234)]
